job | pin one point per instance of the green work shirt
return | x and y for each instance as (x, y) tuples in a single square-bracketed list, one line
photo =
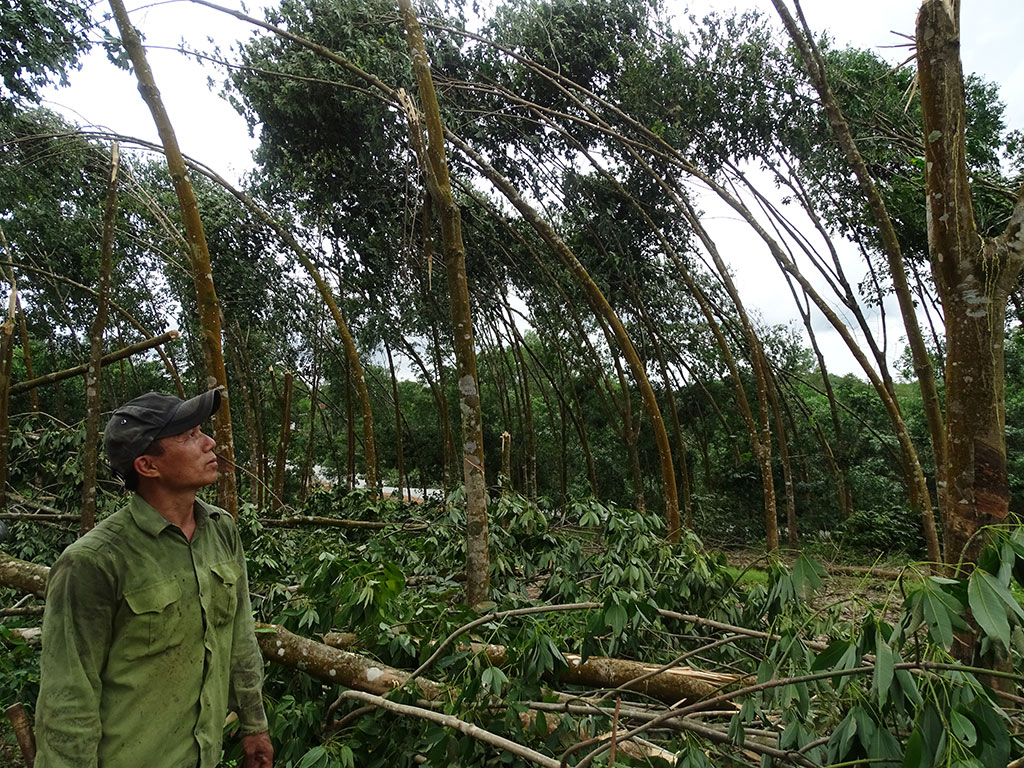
[(147, 642)]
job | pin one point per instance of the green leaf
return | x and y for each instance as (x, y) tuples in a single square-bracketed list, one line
[(884, 671), (915, 756), (963, 729), (737, 734), (315, 757), (988, 606), (909, 686), (615, 617), (494, 679), (830, 657), (839, 744), (941, 611), (807, 576)]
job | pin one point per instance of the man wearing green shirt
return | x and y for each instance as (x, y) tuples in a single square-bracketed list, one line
[(148, 633)]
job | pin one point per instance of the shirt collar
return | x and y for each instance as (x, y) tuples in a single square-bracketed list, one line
[(153, 523)]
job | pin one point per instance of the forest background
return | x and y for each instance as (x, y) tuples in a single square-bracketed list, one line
[(606, 387)]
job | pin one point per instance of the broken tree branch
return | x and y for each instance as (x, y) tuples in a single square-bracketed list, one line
[(455, 723)]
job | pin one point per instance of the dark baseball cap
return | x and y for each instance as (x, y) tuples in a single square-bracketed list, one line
[(135, 425)]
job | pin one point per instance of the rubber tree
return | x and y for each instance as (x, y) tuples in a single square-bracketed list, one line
[(973, 275), (94, 374), (199, 258), (435, 171)]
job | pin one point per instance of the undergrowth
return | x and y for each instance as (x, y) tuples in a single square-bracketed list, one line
[(847, 682)]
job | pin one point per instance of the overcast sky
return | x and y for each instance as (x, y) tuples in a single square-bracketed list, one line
[(210, 131)]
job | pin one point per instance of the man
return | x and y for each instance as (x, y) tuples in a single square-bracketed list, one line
[(148, 634)]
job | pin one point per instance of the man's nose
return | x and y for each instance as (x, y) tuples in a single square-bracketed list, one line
[(210, 443)]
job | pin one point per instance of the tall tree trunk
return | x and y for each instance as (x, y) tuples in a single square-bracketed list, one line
[(307, 466), (435, 169), (29, 374), (399, 452), (974, 276), (351, 353), (629, 430), (58, 389), (659, 352), (573, 404), (529, 432), (529, 441), (444, 427), (251, 408), (6, 360), (787, 469), (563, 452), (499, 364), (350, 429), (94, 375), (838, 458), (506, 458), (281, 465), (199, 256), (449, 468), (26, 350)]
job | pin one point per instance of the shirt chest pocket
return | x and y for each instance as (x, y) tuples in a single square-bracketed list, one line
[(223, 592), (154, 620)]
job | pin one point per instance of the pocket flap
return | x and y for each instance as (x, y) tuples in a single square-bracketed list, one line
[(227, 573), (153, 598)]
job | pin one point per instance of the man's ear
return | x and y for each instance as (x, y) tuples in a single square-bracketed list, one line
[(145, 466)]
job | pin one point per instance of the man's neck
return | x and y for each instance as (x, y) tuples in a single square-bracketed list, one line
[(177, 507)]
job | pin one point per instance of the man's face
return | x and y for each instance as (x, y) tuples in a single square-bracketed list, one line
[(188, 461)]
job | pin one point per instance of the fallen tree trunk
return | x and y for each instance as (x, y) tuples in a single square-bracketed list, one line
[(336, 666), (670, 686), (334, 522), (34, 517), (31, 636), (23, 576), (352, 670), (276, 643)]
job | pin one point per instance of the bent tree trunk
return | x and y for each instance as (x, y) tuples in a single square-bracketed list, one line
[(351, 354), (435, 168), (922, 362), (199, 257), (601, 308)]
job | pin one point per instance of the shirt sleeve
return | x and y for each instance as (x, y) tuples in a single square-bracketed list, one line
[(245, 691), (77, 627)]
